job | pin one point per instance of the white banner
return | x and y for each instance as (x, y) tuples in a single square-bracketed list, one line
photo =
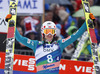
[(4, 10), (3, 23), (30, 6), (24, 6)]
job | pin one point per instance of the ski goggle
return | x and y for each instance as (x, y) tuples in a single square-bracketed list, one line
[(47, 31)]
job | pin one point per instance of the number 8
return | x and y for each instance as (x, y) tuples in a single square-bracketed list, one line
[(50, 59)]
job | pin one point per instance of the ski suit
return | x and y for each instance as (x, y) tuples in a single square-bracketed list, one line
[(48, 55)]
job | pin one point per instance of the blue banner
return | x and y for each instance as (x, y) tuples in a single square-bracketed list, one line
[(17, 72)]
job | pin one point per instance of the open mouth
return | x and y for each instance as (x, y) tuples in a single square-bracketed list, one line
[(49, 35)]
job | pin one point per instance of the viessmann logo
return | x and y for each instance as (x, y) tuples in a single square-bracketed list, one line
[(30, 63), (21, 63), (79, 69)]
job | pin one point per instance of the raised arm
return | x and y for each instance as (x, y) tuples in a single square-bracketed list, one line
[(27, 42), (67, 41)]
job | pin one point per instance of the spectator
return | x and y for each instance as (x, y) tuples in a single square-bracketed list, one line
[(20, 22), (74, 4), (48, 15), (69, 50), (97, 2), (97, 31), (30, 31), (47, 7), (58, 34), (64, 17), (55, 9), (91, 2)]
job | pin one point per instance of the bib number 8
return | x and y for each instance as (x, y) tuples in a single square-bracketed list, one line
[(49, 58)]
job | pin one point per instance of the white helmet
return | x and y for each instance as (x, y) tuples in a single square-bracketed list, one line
[(48, 25)]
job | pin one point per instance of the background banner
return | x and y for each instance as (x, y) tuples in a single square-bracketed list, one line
[(27, 65), (24, 6)]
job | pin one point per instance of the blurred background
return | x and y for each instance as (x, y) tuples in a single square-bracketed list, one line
[(67, 15)]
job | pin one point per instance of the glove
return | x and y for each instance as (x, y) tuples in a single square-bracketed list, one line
[(9, 16), (92, 16)]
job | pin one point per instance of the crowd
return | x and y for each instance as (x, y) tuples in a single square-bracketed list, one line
[(61, 15)]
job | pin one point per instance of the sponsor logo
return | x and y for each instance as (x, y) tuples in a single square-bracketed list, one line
[(63, 40), (80, 69), (28, 41), (0, 3), (83, 69), (86, 6), (2, 21), (46, 66), (32, 4), (62, 67), (30, 63), (95, 54), (47, 50), (13, 11), (10, 42)]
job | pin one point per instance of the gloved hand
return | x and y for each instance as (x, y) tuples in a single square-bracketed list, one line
[(92, 16), (9, 16)]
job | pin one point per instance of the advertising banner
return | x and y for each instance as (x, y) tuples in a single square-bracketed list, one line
[(27, 65), (21, 63), (76, 67), (24, 6)]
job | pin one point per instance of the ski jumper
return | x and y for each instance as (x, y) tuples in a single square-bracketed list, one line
[(48, 55)]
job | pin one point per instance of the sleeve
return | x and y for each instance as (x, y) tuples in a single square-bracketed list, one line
[(67, 41), (27, 42)]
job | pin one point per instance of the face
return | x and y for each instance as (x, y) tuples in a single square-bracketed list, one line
[(32, 36), (91, 2), (49, 37), (20, 30), (49, 16)]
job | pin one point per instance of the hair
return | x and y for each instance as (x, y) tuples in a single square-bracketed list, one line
[(54, 39)]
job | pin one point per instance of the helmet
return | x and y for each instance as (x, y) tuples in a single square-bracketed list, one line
[(48, 27)]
